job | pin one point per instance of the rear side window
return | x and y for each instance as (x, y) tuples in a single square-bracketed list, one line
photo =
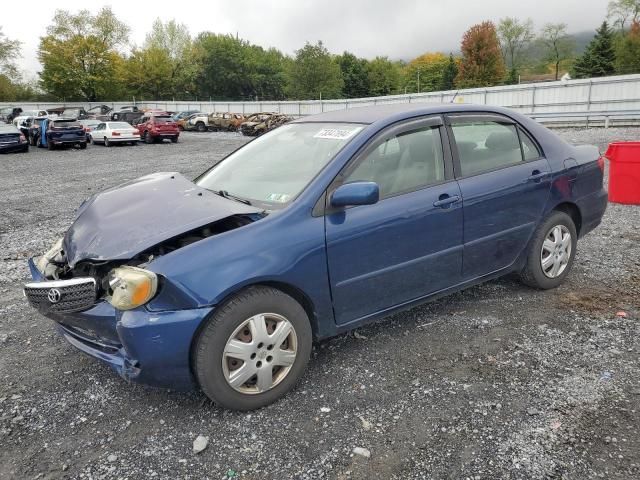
[(403, 163), (486, 145)]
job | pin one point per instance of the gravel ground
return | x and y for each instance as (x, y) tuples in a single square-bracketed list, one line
[(499, 381)]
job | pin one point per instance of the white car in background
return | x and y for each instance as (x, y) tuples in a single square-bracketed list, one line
[(109, 133), (25, 115)]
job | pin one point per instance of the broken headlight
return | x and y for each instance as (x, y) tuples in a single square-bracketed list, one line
[(48, 257), (130, 287)]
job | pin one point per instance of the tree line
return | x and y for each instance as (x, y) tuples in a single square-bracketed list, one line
[(87, 57)]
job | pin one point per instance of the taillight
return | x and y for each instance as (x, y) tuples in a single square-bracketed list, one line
[(136, 131), (601, 163), (115, 134)]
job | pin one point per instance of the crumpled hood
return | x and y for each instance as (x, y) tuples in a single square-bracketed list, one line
[(121, 222)]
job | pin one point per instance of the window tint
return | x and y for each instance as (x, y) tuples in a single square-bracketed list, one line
[(486, 145), (529, 148), (403, 163)]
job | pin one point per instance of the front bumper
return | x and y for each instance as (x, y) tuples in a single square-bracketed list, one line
[(146, 347)]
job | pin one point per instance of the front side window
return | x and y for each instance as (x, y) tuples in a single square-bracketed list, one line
[(403, 163), (486, 145), (274, 169)]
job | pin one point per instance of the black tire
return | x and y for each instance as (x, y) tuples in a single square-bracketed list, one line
[(211, 341), (533, 273), (148, 138), (92, 140), (50, 146), (38, 142), (83, 145), (32, 140), (107, 143), (174, 139), (201, 127), (25, 149)]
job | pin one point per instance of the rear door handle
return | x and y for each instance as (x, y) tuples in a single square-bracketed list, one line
[(445, 200)]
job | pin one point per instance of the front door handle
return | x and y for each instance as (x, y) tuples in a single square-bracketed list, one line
[(536, 176), (445, 200)]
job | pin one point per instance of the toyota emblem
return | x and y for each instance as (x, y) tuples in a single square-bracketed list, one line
[(54, 295)]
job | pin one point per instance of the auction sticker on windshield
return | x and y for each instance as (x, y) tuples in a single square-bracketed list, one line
[(337, 133)]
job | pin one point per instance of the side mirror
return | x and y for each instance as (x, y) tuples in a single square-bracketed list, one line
[(356, 193)]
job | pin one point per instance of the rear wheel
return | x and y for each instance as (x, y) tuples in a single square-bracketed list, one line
[(551, 252), (148, 138), (253, 350), (174, 139), (107, 143), (50, 146), (83, 145), (201, 127)]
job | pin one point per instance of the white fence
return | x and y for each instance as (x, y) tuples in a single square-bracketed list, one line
[(601, 99)]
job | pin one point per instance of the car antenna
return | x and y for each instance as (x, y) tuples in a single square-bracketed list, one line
[(454, 96)]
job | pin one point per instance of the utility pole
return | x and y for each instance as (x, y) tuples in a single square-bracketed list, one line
[(418, 81)]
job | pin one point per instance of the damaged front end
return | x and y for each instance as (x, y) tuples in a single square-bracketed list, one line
[(96, 286)]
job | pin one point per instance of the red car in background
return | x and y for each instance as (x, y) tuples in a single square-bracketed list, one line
[(154, 126)]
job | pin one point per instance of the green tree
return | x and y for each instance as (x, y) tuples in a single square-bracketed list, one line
[(515, 36), (623, 12), (557, 45), (79, 55), (354, 75), (314, 74), (170, 45), (232, 68), (628, 51), (599, 58), (425, 73), (9, 52), (384, 77), (449, 74), (482, 64)]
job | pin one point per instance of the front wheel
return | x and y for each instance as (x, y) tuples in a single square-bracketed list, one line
[(551, 252), (107, 143), (201, 127), (253, 350), (148, 138)]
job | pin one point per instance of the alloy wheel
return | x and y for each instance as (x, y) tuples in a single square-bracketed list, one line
[(259, 353), (556, 251)]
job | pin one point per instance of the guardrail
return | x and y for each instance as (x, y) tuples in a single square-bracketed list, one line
[(574, 101)]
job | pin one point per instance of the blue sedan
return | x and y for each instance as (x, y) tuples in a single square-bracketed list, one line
[(320, 226)]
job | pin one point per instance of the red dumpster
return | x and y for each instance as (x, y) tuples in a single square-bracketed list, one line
[(624, 172)]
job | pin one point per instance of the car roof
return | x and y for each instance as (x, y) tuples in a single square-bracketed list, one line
[(399, 111)]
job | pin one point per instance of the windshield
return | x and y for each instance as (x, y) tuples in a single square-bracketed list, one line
[(274, 168), (29, 113)]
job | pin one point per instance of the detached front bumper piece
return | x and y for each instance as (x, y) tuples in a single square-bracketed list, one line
[(146, 347)]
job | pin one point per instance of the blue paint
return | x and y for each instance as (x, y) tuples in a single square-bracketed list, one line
[(346, 265)]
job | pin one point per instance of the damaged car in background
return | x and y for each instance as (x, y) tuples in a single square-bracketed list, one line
[(315, 228), (260, 123)]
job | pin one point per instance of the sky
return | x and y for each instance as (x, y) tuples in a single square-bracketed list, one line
[(399, 29)]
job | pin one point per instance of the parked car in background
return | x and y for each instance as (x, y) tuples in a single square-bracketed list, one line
[(316, 228), (157, 127), (28, 115), (89, 124), (61, 132), (261, 123), (77, 113), (100, 112), (12, 140), (127, 113), (109, 133), (198, 122), (6, 114), (185, 123), (184, 114), (225, 121)]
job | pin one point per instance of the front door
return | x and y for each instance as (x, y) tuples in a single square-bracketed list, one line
[(407, 245)]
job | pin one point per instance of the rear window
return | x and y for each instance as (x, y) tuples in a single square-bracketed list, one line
[(119, 125), (162, 119), (66, 124)]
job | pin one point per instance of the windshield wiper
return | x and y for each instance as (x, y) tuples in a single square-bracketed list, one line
[(225, 194)]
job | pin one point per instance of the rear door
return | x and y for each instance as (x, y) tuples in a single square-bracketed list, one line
[(407, 245), (505, 183)]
